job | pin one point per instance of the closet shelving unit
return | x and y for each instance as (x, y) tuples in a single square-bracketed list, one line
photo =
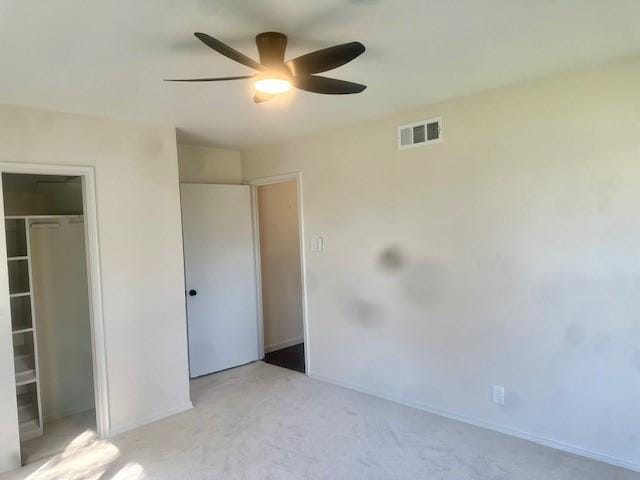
[(23, 321), (23, 326)]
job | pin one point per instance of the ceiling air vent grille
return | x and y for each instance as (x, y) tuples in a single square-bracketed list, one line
[(424, 132)]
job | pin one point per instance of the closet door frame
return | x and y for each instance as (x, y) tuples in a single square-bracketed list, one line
[(93, 276)]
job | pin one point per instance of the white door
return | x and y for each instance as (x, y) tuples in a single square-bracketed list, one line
[(220, 276)]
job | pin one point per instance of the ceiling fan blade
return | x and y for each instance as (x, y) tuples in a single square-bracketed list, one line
[(330, 86), (325, 59), (260, 97), (216, 79), (227, 51)]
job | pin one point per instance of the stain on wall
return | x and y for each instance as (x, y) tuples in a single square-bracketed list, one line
[(392, 259)]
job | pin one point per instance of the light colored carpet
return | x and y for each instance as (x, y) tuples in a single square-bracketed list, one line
[(264, 422), (57, 435)]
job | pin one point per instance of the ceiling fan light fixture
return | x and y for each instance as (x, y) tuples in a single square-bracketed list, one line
[(277, 76), (272, 85)]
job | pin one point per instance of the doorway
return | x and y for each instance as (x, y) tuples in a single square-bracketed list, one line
[(53, 299), (278, 231)]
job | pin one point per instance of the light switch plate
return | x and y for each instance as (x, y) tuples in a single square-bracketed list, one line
[(317, 245), (497, 394)]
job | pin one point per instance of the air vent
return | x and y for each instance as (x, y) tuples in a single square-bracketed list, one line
[(420, 133)]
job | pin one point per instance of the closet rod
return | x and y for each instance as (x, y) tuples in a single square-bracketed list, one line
[(47, 225), (43, 217)]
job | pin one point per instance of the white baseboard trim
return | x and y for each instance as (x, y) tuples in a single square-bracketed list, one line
[(66, 413), (287, 343), (547, 442), (117, 430)]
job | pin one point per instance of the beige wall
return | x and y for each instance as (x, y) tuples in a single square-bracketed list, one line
[(138, 208), (280, 262), (508, 254), (209, 165), (61, 299)]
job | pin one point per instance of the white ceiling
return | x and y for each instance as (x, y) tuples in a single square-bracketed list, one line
[(108, 57)]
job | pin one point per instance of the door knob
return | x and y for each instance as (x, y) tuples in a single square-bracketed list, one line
[(192, 293)]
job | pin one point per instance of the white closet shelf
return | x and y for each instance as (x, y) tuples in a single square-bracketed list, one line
[(25, 378), (27, 413), (22, 330), (25, 402), (28, 418), (24, 360), (25, 399), (29, 429), (26, 369), (23, 353)]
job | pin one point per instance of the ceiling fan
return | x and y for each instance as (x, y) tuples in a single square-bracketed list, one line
[(275, 76)]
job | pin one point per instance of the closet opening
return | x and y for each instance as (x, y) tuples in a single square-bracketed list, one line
[(50, 308), (278, 224)]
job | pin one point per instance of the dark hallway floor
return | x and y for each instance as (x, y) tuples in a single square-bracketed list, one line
[(290, 357)]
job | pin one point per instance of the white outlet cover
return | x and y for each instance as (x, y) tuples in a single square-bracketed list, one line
[(497, 394)]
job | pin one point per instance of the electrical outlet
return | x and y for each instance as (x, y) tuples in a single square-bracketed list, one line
[(497, 394)]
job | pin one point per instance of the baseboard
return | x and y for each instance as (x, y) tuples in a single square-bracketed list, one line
[(149, 419), (547, 442), (66, 413), (287, 343)]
